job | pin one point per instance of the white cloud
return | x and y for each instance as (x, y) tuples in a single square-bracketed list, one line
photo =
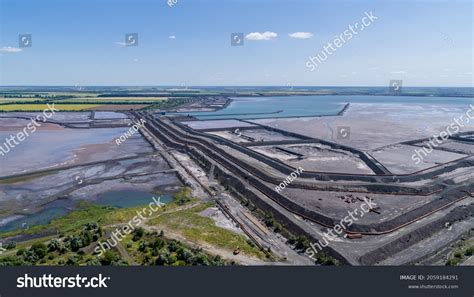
[(121, 43), (9, 49), (398, 72), (301, 35), (261, 36), (172, 37), (374, 68)]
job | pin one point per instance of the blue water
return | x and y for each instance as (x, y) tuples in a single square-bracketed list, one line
[(119, 199), (40, 218), (297, 106)]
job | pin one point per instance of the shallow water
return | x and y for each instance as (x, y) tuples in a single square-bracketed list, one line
[(40, 218), (297, 106), (52, 146), (119, 199)]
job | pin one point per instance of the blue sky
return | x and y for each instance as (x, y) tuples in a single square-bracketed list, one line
[(77, 42)]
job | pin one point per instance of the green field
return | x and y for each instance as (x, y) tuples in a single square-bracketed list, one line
[(78, 244), (41, 107), (200, 229)]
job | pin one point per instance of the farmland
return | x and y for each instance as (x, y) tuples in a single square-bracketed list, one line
[(40, 107)]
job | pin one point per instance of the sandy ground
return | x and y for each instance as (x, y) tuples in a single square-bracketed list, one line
[(317, 158), (398, 158), (216, 123), (338, 204), (375, 125), (221, 220)]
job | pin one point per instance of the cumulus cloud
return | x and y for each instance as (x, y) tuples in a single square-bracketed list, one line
[(261, 36), (10, 49), (172, 37), (301, 35)]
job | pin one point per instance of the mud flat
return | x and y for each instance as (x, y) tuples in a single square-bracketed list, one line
[(109, 115), (451, 146), (140, 188), (373, 125), (120, 182), (53, 146), (58, 116), (26, 192)]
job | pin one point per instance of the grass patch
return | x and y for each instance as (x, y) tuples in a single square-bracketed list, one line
[(197, 228), (461, 250)]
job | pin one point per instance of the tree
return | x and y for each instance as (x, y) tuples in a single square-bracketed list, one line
[(269, 220), (86, 237), (108, 258), (173, 246), (72, 260), (163, 258), (138, 233), (469, 251), (200, 259), (54, 245), (76, 243), (39, 249), (91, 227), (302, 242), (184, 254)]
